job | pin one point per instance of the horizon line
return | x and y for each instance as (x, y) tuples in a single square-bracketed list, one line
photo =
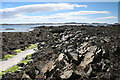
[(61, 23)]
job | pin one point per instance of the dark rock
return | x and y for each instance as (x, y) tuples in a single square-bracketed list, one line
[(57, 30), (21, 64), (9, 29), (77, 53)]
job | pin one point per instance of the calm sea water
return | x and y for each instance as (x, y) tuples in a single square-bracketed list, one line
[(20, 28)]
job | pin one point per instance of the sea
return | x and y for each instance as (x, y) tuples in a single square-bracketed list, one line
[(20, 28), (26, 28)]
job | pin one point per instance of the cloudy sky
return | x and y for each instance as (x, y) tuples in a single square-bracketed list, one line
[(34, 12)]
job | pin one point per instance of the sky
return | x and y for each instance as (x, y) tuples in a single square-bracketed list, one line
[(45, 12), (119, 12), (60, 0)]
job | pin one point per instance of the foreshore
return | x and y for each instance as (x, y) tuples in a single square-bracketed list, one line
[(67, 52)]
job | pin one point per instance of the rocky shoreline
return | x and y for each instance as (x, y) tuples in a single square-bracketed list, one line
[(17, 40), (68, 53)]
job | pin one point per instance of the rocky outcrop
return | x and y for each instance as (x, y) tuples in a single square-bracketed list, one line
[(74, 53), (9, 29)]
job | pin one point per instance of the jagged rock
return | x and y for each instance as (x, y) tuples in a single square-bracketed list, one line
[(89, 71), (37, 72), (70, 50), (83, 49), (89, 56), (26, 76), (93, 37), (61, 56), (66, 74), (74, 55), (43, 43), (70, 46), (106, 39), (64, 38), (48, 67)]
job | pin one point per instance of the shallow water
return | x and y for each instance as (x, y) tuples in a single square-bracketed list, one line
[(20, 28)]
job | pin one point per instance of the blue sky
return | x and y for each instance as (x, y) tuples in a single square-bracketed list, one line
[(34, 12), (60, 0)]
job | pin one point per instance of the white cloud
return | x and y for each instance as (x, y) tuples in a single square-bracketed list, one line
[(10, 12), (66, 16), (77, 14), (25, 18), (83, 13), (55, 17), (110, 17)]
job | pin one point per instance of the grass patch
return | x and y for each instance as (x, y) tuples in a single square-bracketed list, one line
[(0, 74), (29, 56), (26, 60), (6, 57), (54, 35), (15, 67), (32, 46), (12, 69), (18, 50), (26, 47)]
